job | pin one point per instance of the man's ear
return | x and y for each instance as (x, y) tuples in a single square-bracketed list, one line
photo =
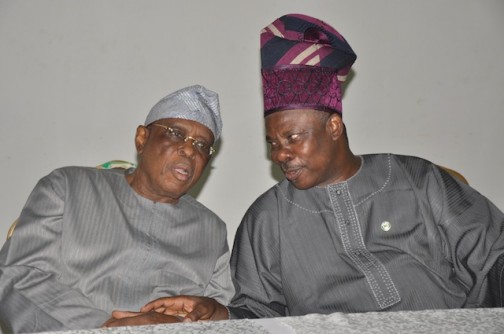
[(336, 126), (142, 134)]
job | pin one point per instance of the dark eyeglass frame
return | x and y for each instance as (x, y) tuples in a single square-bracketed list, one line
[(178, 137)]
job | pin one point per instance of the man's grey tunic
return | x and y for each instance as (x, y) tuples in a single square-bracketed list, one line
[(87, 243), (401, 234)]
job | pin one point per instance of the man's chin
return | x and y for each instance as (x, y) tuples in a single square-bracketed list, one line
[(299, 184)]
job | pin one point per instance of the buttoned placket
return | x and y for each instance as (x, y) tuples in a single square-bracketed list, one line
[(380, 282)]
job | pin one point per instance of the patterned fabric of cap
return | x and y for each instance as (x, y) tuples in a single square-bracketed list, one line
[(195, 103), (303, 63)]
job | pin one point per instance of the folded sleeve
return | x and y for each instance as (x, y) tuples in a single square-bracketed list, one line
[(255, 266), (221, 287), (33, 297), (472, 230)]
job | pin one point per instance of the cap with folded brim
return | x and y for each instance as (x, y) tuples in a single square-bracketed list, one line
[(303, 63), (195, 103)]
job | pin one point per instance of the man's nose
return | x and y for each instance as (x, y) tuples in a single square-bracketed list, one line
[(187, 147), (281, 155)]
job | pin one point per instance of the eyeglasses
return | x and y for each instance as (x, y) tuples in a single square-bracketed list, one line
[(177, 136)]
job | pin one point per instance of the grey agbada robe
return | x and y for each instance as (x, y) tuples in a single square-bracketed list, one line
[(87, 244), (401, 234)]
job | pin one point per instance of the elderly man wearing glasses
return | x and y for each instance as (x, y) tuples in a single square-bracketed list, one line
[(92, 241)]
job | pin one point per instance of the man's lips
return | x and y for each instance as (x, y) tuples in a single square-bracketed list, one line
[(182, 172), (292, 173)]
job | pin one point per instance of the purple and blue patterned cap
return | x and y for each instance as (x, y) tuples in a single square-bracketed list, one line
[(303, 63), (194, 103)]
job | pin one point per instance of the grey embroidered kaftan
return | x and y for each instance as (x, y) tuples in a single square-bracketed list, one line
[(401, 234)]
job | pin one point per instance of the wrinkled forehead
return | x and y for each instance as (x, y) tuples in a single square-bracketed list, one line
[(296, 115), (283, 121)]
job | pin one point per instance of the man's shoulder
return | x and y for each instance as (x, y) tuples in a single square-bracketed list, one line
[(415, 166), (267, 202), (71, 171), (270, 193), (412, 160), (407, 163), (397, 158), (78, 174), (418, 171)]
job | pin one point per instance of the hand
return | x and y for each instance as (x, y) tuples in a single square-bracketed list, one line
[(192, 308), (126, 318)]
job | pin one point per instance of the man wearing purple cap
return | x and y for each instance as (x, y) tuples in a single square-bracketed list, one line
[(90, 242), (349, 233)]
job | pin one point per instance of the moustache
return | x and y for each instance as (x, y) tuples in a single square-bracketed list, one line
[(289, 166)]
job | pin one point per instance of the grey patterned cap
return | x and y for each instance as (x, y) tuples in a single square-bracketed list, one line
[(195, 103)]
